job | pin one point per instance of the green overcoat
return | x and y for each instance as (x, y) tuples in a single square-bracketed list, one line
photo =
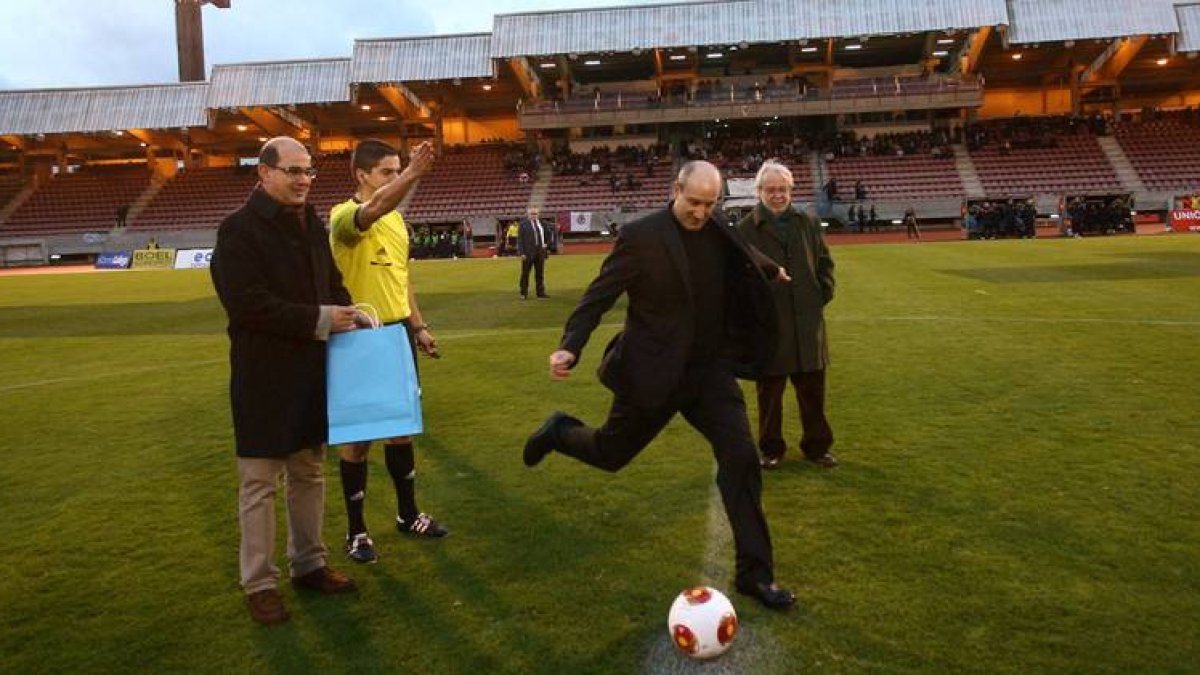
[(796, 243)]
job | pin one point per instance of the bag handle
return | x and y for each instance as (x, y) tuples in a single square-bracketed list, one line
[(370, 312)]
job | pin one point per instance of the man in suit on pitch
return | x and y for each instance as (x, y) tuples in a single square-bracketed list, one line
[(700, 310), (533, 244)]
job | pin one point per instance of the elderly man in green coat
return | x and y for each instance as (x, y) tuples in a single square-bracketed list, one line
[(794, 241)]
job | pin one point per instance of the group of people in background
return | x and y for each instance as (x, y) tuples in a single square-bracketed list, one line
[(442, 242), (1001, 218), (1099, 215)]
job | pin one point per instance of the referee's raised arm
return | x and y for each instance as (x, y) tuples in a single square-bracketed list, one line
[(387, 198)]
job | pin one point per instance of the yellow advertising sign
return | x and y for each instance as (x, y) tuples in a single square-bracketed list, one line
[(154, 259)]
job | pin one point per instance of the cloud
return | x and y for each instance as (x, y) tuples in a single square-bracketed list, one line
[(305, 29), (81, 43), (65, 43)]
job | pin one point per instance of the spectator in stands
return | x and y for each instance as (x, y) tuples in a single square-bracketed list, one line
[(793, 240), (912, 229), (122, 215), (533, 245), (831, 190), (281, 310), (370, 246), (694, 295), (860, 191)]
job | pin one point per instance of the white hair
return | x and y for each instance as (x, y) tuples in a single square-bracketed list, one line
[(769, 167)]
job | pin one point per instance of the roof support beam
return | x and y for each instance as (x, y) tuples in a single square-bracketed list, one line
[(972, 52), (15, 141), (564, 80), (156, 139), (1113, 61), (525, 76), (274, 124), (404, 101)]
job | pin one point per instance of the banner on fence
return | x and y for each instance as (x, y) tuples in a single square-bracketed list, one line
[(1185, 220), (193, 258), (154, 259), (581, 221), (114, 260)]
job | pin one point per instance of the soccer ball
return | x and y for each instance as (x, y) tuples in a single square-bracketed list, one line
[(702, 622)]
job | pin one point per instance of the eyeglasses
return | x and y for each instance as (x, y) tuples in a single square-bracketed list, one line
[(295, 172), (785, 190)]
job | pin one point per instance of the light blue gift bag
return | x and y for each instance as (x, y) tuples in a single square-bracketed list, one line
[(373, 391)]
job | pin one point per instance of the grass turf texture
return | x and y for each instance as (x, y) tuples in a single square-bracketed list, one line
[(1016, 423)]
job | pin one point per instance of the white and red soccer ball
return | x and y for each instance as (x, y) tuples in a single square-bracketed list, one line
[(702, 622)]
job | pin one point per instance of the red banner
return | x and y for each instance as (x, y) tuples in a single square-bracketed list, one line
[(1185, 220)]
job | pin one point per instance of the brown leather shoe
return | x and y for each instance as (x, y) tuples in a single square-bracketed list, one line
[(325, 581), (266, 607)]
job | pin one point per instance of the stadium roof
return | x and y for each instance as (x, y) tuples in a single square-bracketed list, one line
[(440, 57), (627, 28), (848, 18), (280, 83), (731, 22), (1189, 28), (1060, 20), (55, 111)]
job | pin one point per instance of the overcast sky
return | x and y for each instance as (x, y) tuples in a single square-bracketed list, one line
[(81, 43)]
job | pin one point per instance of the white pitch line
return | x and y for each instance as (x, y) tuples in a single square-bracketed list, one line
[(1030, 319), (100, 376), (755, 650)]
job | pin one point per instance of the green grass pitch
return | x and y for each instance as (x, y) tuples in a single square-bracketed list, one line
[(1018, 492)]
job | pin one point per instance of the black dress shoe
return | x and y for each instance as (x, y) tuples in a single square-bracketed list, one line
[(825, 461), (544, 440), (771, 462), (542, 295), (770, 595)]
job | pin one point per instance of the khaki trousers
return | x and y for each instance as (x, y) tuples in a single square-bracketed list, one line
[(304, 475)]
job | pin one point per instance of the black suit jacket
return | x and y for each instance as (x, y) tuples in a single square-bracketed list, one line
[(645, 363), (527, 243)]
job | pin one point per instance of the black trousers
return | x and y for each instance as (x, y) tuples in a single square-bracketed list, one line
[(810, 396), (538, 262), (712, 403)]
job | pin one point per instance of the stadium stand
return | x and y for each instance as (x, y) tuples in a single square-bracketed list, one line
[(11, 185), (628, 178), (1163, 152), (471, 181), (85, 201), (910, 177), (1046, 155), (197, 199)]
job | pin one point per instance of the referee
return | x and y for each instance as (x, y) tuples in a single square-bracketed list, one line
[(370, 246)]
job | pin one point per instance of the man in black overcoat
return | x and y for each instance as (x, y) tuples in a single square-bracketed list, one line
[(699, 311), (274, 274)]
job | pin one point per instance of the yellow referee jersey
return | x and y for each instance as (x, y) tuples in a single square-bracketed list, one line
[(374, 263)]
